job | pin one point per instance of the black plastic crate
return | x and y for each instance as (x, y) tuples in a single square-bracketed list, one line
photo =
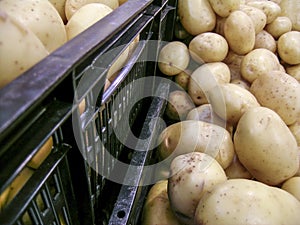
[(49, 106)]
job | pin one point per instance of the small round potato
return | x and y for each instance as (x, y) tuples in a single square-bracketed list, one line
[(208, 47), (265, 40), (191, 175), (196, 16), (173, 58), (280, 92), (239, 32), (266, 146), (206, 77), (258, 62), (271, 9), (289, 47), (183, 78), (291, 9), (292, 186), (257, 16), (279, 26), (178, 106)]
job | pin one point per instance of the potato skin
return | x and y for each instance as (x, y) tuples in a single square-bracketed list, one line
[(265, 146), (265, 40), (279, 26), (280, 92), (288, 46), (291, 9), (196, 16), (292, 186), (224, 7), (247, 202), (239, 32)]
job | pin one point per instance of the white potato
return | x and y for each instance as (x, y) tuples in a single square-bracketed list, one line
[(208, 47), (190, 136), (258, 62), (196, 16), (233, 61), (224, 7), (237, 170), (17, 41), (291, 9), (183, 78), (206, 77), (295, 129), (279, 26), (247, 202), (292, 186), (41, 18), (239, 35), (288, 46), (271, 9), (279, 92), (241, 83), (60, 7), (294, 71), (85, 17), (191, 175), (265, 146), (71, 6), (173, 58), (265, 40)]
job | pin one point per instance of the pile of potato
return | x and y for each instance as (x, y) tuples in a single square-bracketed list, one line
[(33, 29), (232, 149)]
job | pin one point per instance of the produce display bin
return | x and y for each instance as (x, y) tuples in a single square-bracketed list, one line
[(71, 186)]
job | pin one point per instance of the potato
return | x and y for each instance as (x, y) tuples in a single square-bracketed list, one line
[(224, 7), (279, 92), (12, 50), (183, 78), (19, 182), (271, 9), (279, 26), (72, 6), (247, 202), (190, 136), (208, 47), (257, 16), (205, 113), (41, 18), (265, 146), (239, 32), (291, 9), (230, 101), (157, 209), (173, 58), (289, 47), (206, 77), (237, 170), (258, 62), (241, 83), (196, 16), (294, 71), (265, 40), (41, 155), (295, 129), (292, 186), (233, 61), (60, 7), (85, 17), (178, 106), (191, 175)]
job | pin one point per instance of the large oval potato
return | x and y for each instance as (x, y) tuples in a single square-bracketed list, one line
[(191, 175), (173, 58), (71, 6), (41, 18), (239, 32), (257, 62), (190, 136), (157, 208), (288, 46), (280, 92), (17, 41), (196, 16), (206, 77), (208, 47), (291, 9), (265, 146), (85, 17), (224, 8), (247, 202), (230, 101)]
